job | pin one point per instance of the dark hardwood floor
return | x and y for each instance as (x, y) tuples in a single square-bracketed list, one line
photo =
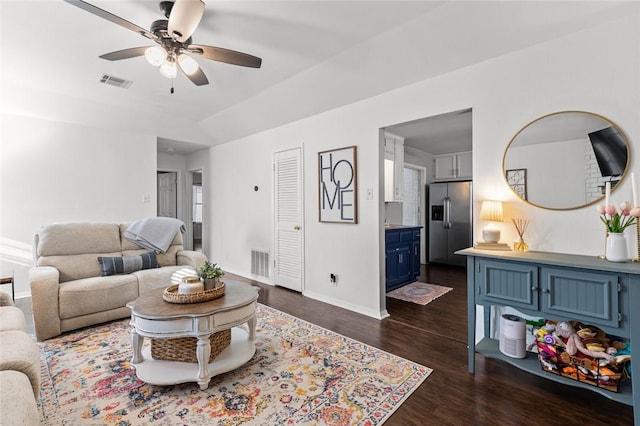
[(435, 336)]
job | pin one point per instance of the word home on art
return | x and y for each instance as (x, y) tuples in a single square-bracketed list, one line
[(338, 191)]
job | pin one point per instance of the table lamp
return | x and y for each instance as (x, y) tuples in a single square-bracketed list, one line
[(491, 211)]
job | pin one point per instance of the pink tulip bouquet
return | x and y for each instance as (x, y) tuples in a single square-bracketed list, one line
[(617, 222)]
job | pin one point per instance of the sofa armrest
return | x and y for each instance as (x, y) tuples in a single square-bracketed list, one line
[(44, 282), (190, 258)]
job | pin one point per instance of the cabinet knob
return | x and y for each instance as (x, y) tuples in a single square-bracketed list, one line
[(546, 290), (534, 288)]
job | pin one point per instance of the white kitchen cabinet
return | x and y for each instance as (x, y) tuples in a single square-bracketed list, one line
[(452, 166), (393, 168)]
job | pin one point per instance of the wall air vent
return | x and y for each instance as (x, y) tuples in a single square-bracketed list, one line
[(115, 81), (260, 262)]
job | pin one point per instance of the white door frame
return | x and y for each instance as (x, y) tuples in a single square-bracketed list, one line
[(301, 218)]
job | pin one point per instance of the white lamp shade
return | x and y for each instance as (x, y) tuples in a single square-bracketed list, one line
[(169, 69), (184, 18), (155, 55), (491, 211), (187, 64)]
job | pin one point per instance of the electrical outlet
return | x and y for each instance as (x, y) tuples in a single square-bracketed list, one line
[(333, 278)]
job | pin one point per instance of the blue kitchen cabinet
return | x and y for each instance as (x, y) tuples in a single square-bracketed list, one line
[(402, 249)]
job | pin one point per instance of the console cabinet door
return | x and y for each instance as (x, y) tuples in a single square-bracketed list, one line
[(506, 283), (590, 296), (392, 267)]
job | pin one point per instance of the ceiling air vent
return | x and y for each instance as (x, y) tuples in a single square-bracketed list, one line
[(115, 81)]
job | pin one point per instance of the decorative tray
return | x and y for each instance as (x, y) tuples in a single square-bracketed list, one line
[(171, 294)]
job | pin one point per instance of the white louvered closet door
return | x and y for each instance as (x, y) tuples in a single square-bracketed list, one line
[(288, 216)]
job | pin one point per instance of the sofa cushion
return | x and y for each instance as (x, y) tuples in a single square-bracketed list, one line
[(161, 277), (77, 266), (78, 238), (169, 258), (96, 294), (127, 264)]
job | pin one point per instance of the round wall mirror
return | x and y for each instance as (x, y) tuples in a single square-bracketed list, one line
[(561, 161)]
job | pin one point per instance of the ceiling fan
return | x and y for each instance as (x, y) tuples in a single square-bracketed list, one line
[(173, 38)]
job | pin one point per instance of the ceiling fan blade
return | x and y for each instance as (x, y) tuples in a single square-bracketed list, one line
[(225, 55), (111, 18), (125, 53), (198, 78), (184, 18)]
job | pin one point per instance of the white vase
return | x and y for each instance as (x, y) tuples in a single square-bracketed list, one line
[(616, 247)]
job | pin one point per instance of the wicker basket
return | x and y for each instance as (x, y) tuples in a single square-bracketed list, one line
[(184, 348), (171, 294)]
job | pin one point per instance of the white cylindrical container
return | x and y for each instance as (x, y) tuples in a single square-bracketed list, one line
[(513, 340), (190, 285)]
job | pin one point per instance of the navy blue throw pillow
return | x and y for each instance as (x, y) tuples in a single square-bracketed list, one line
[(127, 264)]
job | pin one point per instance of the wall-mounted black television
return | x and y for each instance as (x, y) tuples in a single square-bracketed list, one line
[(610, 150)]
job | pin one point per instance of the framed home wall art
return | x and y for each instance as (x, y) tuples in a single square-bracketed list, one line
[(517, 180), (338, 189)]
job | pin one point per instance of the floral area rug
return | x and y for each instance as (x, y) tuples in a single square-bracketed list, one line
[(420, 293), (300, 374)]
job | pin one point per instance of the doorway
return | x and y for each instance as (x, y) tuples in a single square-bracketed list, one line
[(423, 144), (197, 202), (167, 194), (288, 239)]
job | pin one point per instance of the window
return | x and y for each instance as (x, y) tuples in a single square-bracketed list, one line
[(197, 203), (411, 197)]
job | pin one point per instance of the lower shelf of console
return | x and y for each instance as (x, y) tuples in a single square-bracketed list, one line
[(491, 349)]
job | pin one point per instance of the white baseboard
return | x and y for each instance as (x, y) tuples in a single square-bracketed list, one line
[(348, 306), (259, 278)]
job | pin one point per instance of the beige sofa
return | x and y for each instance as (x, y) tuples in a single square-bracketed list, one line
[(19, 368), (67, 289)]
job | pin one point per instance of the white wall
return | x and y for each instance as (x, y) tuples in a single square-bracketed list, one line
[(596, 70), (58, 172)]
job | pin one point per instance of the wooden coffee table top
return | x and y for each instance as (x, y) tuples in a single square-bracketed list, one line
[(151, 305)]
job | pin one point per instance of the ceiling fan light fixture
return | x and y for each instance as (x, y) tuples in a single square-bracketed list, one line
[(188, 64), (169, 69), (155, 55), (184, 18)]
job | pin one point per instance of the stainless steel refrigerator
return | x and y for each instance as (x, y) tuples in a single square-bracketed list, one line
[(449, 221)]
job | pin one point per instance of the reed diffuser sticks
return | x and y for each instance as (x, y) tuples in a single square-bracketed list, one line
[(521, 227)]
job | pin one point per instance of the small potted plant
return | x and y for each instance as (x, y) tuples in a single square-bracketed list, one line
[(210, 274)]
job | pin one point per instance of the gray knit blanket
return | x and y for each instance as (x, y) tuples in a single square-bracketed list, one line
[(154, 233)]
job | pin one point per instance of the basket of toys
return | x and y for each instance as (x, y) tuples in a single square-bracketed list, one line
[(583, 353)]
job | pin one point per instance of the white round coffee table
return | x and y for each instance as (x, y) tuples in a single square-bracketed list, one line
[(152, 317)]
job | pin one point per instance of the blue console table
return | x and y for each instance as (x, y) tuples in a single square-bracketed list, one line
[(556, 287)]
